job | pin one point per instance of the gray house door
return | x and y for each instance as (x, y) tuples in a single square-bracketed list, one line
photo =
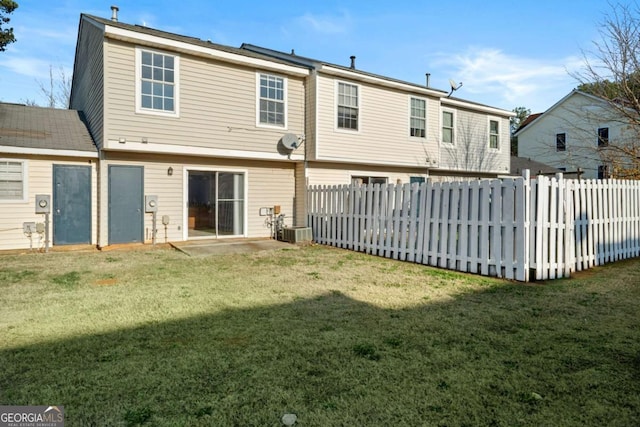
[(125, 204), (71, 204)]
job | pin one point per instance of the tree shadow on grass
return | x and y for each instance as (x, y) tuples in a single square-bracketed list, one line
[(499, 357)]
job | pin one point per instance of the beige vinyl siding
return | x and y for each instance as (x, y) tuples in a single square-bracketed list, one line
[(471, 152), (383, 127), (88, 80), (268, 184), (341, 174), (300, 215), (217, 105), (39, 175), (311, 142)]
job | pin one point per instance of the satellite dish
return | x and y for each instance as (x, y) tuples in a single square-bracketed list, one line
[(454, 86), (290, 141)]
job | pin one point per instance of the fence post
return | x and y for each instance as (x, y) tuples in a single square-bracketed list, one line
[(523, 206)]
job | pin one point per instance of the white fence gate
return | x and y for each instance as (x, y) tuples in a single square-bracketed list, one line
[(507, 228)]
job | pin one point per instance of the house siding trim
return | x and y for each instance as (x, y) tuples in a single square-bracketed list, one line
[(160, 43), (48, 152), (378, 81), (454, 103), (139, 147)]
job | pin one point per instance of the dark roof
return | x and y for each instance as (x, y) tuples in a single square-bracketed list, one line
[(528, 120), (310, 62), (315, 63), (45, 128), (185, 39), (518, 164)]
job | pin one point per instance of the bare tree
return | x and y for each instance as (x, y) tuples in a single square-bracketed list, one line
[(470, 153), (612, 73), (56, 91)]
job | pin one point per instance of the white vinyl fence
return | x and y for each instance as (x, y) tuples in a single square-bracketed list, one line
[(511, 228)]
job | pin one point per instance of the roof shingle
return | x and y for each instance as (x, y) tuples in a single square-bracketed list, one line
[(45, 128)]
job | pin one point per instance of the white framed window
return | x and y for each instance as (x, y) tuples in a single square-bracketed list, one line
[(157, 82), (494, 133), (271, 101), (348, 106), (603, 137), (418, 118), (561, 141), (448, 126), (13, 180)]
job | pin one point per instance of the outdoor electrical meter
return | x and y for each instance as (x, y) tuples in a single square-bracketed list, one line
[(151, 203), (43, 203)]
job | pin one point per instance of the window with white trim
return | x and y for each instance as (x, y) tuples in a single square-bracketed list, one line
[(272, 95), (157, 82), (494, 134), (561, 142), (603, 137), (448, 122), (418, 119), (348, 106), (12, 180)]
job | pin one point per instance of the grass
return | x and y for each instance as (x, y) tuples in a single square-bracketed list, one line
[(335, 337)]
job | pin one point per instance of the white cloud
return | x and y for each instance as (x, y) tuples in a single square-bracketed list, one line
[(327, 24), (30, 67), (510, 80)]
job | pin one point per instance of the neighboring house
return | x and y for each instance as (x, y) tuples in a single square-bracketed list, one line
[(370, 128), (570, 134), (44, 151), (519, 164), (194, 123), (221, 135)]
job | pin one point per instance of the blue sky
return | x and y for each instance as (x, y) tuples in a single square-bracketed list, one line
[(506, 54)]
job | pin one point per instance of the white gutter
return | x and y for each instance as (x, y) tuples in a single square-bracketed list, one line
[(48, 152)]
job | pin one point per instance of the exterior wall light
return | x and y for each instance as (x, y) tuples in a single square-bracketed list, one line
[(170, 171)]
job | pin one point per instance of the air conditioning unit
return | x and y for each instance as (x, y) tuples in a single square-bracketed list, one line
[(297, 234)]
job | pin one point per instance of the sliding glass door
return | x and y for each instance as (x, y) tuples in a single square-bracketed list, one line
[(216, 204)]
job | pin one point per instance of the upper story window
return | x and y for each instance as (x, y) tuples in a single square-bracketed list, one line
[(603, 172), (272, 104), (494, 134), (418, 119), (561, 142), (448, 123), (348, 106), (603, 137), (157, 82), (13, 180)]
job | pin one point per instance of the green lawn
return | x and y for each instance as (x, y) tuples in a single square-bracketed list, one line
[(337, 338)]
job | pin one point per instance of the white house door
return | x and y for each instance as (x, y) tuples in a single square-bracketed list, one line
[(216, 204)]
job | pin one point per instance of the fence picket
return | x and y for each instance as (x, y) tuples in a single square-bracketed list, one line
[(505, 228)]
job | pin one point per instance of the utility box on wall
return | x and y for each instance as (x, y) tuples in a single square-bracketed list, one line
[(43, 203), (151, 203)]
